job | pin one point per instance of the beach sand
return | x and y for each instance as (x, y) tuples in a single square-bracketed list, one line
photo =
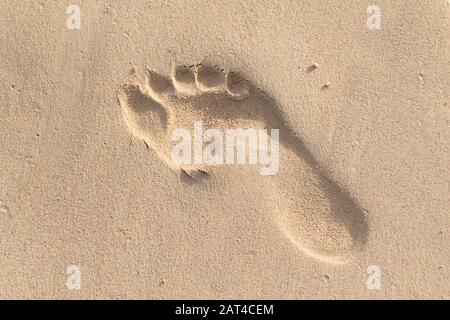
[(359, 208)]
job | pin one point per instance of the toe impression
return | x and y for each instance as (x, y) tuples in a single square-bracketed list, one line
[(183, 79), (159, 86), (210, 78), (237, 87)]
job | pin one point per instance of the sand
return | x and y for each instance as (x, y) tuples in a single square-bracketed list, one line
[(358, 207)]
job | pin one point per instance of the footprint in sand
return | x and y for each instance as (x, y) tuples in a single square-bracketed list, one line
[(314, 212)]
